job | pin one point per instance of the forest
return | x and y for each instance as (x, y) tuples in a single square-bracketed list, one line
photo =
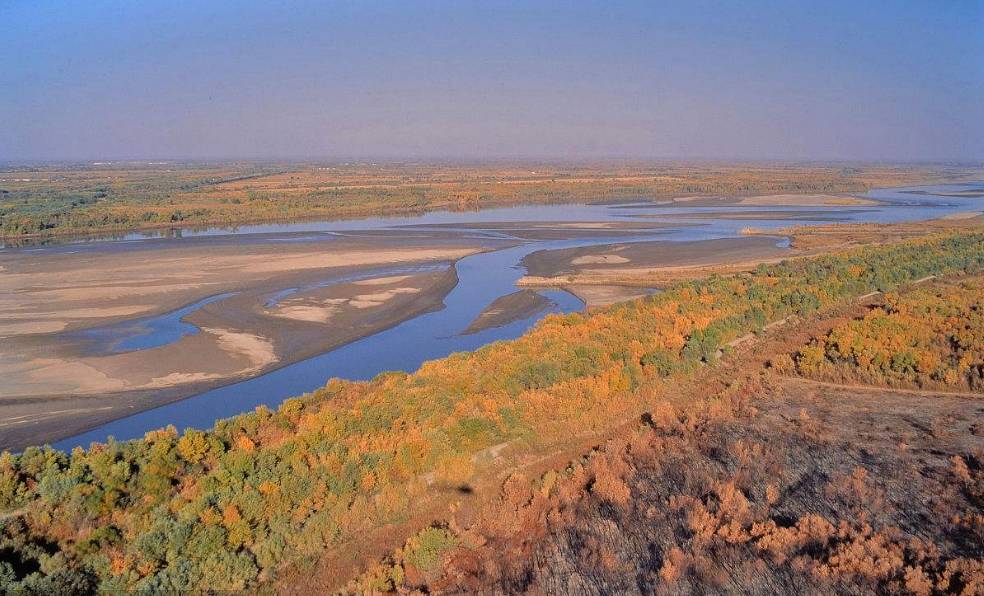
[(928, 339), (265, 494), (764, 486)]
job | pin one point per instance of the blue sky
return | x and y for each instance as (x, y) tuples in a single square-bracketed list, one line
[(492, 80)]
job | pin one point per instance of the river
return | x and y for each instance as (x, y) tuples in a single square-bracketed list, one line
[(482, 278)]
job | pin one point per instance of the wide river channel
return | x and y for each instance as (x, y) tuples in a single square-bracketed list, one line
[(482, 278)]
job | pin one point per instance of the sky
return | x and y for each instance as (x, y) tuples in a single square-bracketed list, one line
[(751, 80)]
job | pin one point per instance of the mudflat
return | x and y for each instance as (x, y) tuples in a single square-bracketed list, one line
[(608, 273), (273, 303), (770, 200), (554, 230), (509, 308), (807, 200), (67, 290), (646, 255)]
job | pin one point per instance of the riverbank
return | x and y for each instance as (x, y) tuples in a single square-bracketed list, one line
[(509, 308), (605, 274), (834, 236)]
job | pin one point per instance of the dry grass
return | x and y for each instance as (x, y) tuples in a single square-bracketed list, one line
[(797, 491)]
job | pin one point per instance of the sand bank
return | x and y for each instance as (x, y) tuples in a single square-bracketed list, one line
[(606, 274), (59, 291), (509, 308), (807, 200), (55, 385), (644, 256)]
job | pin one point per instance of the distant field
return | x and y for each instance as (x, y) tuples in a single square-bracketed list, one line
[(123, 196)]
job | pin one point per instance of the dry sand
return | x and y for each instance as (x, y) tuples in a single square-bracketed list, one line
[(237, 338), (371, 300), (311, 313), (54, 292), (54, 385), (509, 308), (593, 296), (380, 281), (646, 256), (599, 260), (53, 390), (551, 230), (606, 274), (806, 200)]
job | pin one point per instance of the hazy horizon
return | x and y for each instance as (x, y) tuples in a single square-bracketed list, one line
[(480, 162), (306, 81)]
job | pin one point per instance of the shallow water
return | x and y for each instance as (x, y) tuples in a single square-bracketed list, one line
[(143, 334), (482, 278)]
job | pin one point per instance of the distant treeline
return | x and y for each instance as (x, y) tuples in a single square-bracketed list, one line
[(94, 201), (267, 493)]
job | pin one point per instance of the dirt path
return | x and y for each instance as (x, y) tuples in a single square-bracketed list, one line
[(898, 390)]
